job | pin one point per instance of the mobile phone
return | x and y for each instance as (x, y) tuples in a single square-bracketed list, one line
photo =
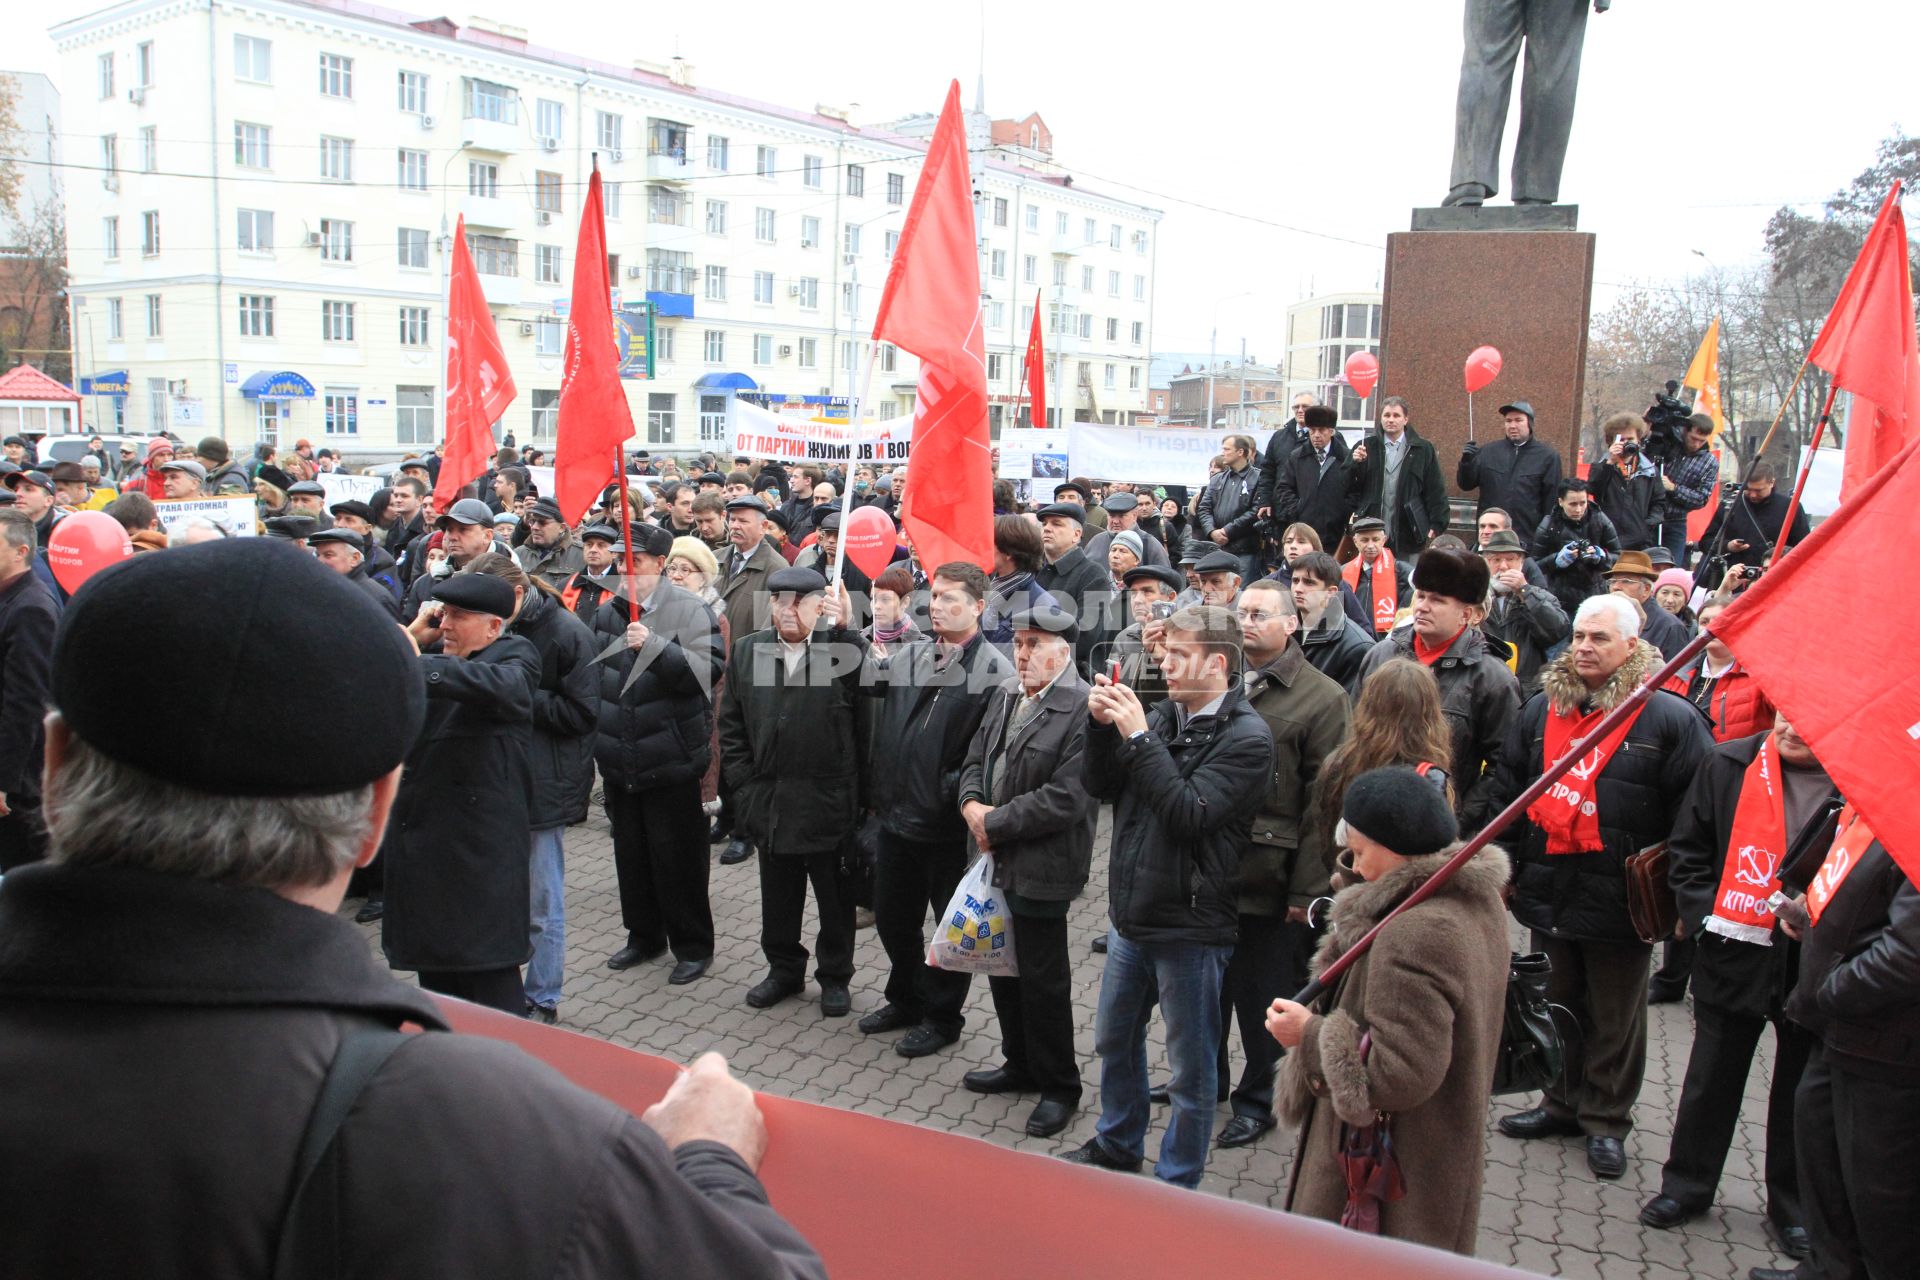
[(1160, 610), (1113, 671)]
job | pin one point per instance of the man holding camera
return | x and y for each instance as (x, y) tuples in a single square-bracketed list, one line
[(1690, 475), (1627, 485), (1752, 524), (1575, 545)]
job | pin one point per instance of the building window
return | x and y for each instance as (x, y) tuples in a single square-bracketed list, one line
[(997, 264), (713, 419), (996, 366), (1139, 332), (606, 131), (669, 271), (413, 170), (1113, 284), (115, 330), (110, 155), (1090, 230), (1139, 288), (336, 75), (251, 145), (485, 100), (809, 293), (413, 415), (1086, 279), (763, 348), (1030, 269), (809, 233), (546, 191), (763, 225), (413, 92), (483, 178), (763, 286), (256, 315), (546, 263), (716, 217), (1113, 236), (997, 314), (252, 59), (764, 160), (341, 405), (1133, 377), (143, 64), (546, 413), (1060, 223), (610, 199), (896, 188), (849, 299), (716, 153), (153, 315), (1060, 271), (716, 284), (810, 171), (663, 344), (414, 326), (1026, 319), (889, 357), (1140, 243), (103, 67), (110, 238), (715, 350), (495, 255), (1109, 377), (1033, 217), (1113, 329), (150, 233), (891, 409), (549, 338), (850, 238), (336, 159), (336, 240), (659, 418), (256, 230), (856, 180), (893, 242), (668, 207), (1086, 324), (849, 356), (412, 251), (336, 322), (1000, 211), (549, 121), (809, 353)]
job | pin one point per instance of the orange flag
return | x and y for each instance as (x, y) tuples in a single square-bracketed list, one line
[(479, 384), (931, 307), (1036, 371), (595, 422), (1703, 375)]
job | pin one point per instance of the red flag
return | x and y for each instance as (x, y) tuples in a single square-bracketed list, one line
[(479, 384), (1036, 371), (931, 307), (1868, 345), (1859, 710), (595, 422)]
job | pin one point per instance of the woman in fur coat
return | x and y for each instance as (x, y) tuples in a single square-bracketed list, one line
[(1430, 993)]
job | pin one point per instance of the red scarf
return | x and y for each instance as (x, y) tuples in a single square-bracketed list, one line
[(1569, 813), (1386, 593), (1852, 842), (1750, 872), (1430, 656)]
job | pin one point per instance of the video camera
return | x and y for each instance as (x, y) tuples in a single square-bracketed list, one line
[(1666, 423)]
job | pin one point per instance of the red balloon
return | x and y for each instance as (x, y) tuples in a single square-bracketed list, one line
[(1483, 366), (867, 534), (84, 543), (1363, 372)]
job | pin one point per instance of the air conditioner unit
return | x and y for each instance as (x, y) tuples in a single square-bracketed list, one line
[(549, 144), (526, 328), (137, 96), (543, 217), (111, 182), (793, 291), (427, 122), (1139, 237), (635, 273), (313, 239), (806, 244)]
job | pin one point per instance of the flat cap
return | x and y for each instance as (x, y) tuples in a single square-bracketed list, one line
[(747, 502), (1369, 524), (1217, 561), (1064, 511), (1072, 486), (416, 464), (467, 511), (237, 613), (804, 582), (1120, 503), (1045, 614), (309, 488), (1171, 578), (477, 593), (830, 522), (292, 528), (713, 478), (352, 507), (1192, 552), (603, 532), (546, 509), (336, 534)]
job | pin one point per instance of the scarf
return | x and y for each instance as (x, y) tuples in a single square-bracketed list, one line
[(1430, 656), (1750, 873), (1569, 813), (1386, 595), (887, 635), (1848, 846)]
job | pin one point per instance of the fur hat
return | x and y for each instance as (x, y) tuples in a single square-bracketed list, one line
[(1400, 809), (1461, 574)]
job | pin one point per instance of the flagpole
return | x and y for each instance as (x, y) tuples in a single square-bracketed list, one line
[(626, 530), (1793, 505), (853, 450), (1506, 817)]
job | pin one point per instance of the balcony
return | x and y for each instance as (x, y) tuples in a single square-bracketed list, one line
[(489, 211), (1069, 244), (502, 136), (500, 291), (668, 166)]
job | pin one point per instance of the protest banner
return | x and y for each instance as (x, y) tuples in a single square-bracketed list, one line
[(343, 487), (237, 515), (1162, 455), (758, 433), (1033, 459)]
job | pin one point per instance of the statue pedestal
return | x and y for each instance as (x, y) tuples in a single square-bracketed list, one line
[(1518, 279)]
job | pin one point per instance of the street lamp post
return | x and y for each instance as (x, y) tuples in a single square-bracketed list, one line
[(1213, 349)]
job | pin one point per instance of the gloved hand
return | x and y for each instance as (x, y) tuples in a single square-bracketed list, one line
[(1472, 447), (1568, 554), (1594, 554)]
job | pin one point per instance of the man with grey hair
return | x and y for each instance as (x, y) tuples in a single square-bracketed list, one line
[(178, 969), (28, 612), (1570, 852)]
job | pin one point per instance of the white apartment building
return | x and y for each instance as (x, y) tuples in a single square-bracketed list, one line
[(258, 239)]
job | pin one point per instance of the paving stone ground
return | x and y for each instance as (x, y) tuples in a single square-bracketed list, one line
[(1541, 1211)]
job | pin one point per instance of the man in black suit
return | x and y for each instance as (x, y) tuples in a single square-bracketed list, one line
[(1312, 487)]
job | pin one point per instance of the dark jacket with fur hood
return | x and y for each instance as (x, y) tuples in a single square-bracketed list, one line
[(1584, 895), (1431, 992)]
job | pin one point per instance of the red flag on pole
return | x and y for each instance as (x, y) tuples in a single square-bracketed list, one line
[(1036, 371), (479, 384), (1869, 347), (1859, 710), (931, 307), (595, 422)]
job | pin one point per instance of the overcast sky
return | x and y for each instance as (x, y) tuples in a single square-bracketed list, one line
[(1275, 136)]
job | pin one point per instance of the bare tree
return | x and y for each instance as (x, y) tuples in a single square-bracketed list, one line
[(10, 178), (34, 319)]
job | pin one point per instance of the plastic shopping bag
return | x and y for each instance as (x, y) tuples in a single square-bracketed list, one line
[(976, 934)]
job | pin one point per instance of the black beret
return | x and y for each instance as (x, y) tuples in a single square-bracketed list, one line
[(1400, 809), (275, 477), (1217, 561), (1045, 614), (352, 507), (747, 502), (477, 593), (347, 536), (1369, 524), (651, 539), (1167, 577), (712, 477), (292, 527), (776, 515), (1065, 511), (804, 581), (239, 613), (1459, 574)]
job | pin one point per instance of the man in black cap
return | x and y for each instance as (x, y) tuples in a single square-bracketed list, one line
[(342, 551), (1377, 577), (749, 559), (549, 552), (467, 533), (187, 917), (28, 611), (224, 476), (656, 688), (1519, 474), (1075, 582), (1123, 513), (358, 517), (1219, 574), (790, 749), (33, 497), (294, 529), (1479, 694), (1522, 614), (601, 547), (309, 498), (456, 875)]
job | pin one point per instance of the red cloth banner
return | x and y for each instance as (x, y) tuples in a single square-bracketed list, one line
[(595, 422), (479, 384)]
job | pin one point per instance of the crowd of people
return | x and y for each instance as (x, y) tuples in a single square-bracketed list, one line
[(1296, 688)]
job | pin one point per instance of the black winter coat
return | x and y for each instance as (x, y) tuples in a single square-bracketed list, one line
[(28, 615), (1636, 504), (1573, 584), (1521, 479), (456, 882), (1584, 895), (1304, 493), (654, 726), (929, 722), (1338, 648), (1281, 446), (1229, 504), (1758, 525), (1420, 502), (1859, 969), (1184, 801), (566, 707), (1042, 828), (1532, 620), (1083, 588), (375, 591), (1479, 696)]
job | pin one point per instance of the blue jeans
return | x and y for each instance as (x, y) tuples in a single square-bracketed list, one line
[(1184, 979), (547, 911), (1673, 536)]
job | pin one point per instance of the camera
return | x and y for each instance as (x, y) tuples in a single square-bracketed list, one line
[(1160, 610), (1666, 423)]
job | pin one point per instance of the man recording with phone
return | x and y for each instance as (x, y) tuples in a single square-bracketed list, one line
[(1751, 525)]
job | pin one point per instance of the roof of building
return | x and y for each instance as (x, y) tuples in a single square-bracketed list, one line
[(24, 382)]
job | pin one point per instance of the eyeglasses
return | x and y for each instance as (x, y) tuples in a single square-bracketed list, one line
[(536, 522)]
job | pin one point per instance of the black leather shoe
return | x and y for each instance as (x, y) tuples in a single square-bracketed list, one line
[(996, 1080), (923, 1040), (1100, 945), (630, 955), (1050, 1118), (1666, 1213), (1243, 1130), (1091, 1152), (370, 910), (888, 1017), (543, 1013), (1606, 1157), (686, 971), (737, 850), (1161, 1095), (770, 991), (1792, 1241), (1661, 993), (1773, 1273), (835, 1002), (718, 832), (1539, 1123)]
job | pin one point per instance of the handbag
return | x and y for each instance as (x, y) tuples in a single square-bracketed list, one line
[(1370, 1165), (1532, 1052), (1650, 904)]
